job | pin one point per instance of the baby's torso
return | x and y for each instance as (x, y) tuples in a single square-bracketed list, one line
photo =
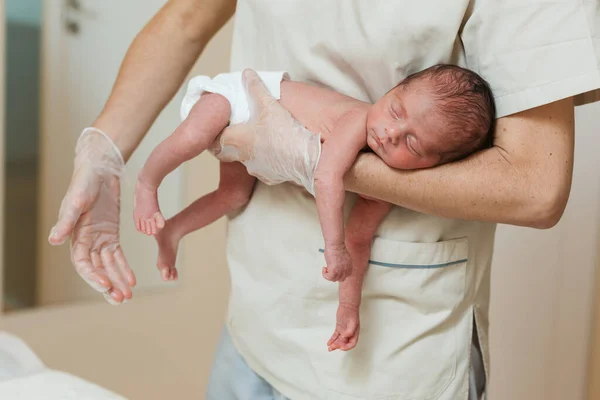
[(317, 108)]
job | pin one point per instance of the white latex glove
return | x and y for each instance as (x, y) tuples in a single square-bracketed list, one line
[(272, 145), (90, 213)]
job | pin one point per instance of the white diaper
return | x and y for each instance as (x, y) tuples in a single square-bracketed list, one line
[(231, 87)]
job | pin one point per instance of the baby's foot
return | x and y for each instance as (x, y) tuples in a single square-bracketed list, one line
[(168, 242), (339, 263), (347, 328), (146, 213)]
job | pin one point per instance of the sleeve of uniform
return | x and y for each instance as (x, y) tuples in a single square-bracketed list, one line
[(534, 52)]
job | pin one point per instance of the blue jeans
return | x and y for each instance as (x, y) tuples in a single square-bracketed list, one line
[(232, 379)]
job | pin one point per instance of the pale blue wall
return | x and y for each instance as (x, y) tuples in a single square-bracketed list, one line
[(22, 78), (27, 12), (22, 134)]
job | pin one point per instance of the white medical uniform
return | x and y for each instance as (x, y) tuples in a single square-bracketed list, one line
[(427, 286)]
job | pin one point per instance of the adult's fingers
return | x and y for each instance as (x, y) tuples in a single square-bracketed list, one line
[(257, 91), (236, 143), (82, 193), (70, 210), (117, 278), (95, 277), (124, 267)]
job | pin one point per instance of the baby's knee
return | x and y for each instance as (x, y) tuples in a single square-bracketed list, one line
[(212, 112), (235, 197), (240, 198), (358, 240), (216, 103)]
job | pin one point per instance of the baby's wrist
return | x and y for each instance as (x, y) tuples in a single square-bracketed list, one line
[(353, 305), (335, 246)]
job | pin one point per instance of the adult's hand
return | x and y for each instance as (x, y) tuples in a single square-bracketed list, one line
[(90, 213), (272, 145)]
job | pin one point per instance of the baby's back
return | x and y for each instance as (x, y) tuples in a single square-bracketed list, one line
[(315, 107)]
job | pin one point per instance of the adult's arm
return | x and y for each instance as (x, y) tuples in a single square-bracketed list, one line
[(524, 179), (155, 66)]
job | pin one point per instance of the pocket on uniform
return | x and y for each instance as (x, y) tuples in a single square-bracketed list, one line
[(407, 347)]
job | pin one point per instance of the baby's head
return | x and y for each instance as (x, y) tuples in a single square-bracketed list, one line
[(438, 115)]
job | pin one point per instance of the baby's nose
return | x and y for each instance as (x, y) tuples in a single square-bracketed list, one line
[(393, 134)]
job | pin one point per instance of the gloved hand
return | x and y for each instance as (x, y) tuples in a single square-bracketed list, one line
[(89, 213), (272, 145)]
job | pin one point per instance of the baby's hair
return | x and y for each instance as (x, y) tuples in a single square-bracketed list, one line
[(465, 101)]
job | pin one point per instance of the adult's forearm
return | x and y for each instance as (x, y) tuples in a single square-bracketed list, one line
[(525, 180), (155, 66), (485, 188)]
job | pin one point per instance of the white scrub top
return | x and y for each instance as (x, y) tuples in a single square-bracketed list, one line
[(428, 282)]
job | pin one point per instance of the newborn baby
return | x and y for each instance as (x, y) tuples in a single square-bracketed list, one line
[(432, 117)]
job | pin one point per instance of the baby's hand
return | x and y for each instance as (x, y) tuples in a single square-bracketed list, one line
[(347, 328), (339, 263)]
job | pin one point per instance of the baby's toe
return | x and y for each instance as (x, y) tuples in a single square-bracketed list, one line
[(140, 224), (149, 226), (164, 273), (153, 230), (152, 227), (159, 221)]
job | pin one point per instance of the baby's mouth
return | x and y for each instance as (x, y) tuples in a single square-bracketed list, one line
[(375, 137)]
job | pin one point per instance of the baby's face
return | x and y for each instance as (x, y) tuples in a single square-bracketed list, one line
[(402, 128)]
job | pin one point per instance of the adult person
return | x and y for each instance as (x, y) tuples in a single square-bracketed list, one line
[(427, 290)]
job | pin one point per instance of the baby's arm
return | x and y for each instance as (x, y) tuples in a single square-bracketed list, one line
[(209, 116), (234, 191), (338, 153), (365, 217)]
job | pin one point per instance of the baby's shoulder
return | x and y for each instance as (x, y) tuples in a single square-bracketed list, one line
[(352, 113), (350, 119)]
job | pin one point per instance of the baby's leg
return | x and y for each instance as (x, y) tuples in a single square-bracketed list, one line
[(365, 217), (209, 116), (234, 191)]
